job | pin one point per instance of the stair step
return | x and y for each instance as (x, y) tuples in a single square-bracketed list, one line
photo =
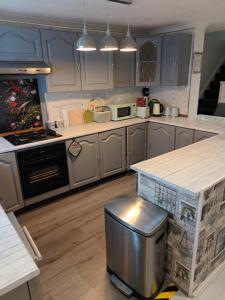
[(215, 85), (208, 103), (220, 77), (206, 111), (212, 94), (222, 68)]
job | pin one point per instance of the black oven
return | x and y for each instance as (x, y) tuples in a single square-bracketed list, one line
[(43, 169)]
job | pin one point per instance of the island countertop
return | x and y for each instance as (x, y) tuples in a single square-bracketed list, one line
[(193, 168), (16, 264)]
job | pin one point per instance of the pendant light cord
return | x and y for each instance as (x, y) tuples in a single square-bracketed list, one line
[(128, 19), (108, 16), (84, 17)]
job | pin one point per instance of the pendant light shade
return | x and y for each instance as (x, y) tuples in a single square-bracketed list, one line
[(85, 42), (128, 44), (108, 43)]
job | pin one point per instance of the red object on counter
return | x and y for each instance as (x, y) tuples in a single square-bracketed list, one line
[(141, 101)]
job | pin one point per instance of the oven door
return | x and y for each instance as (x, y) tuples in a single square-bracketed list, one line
[(43, 169)]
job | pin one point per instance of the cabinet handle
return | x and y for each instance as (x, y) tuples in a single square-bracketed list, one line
[(38, 256), (78, 68)]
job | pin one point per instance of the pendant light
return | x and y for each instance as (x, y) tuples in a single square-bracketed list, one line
[(128, 44), (108, 43), (85, 42)]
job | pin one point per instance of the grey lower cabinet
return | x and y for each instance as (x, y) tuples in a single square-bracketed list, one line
[(96, 68), (10, 192), (123, 69), (84, 168), (175, 63), (161, 139), (20, 44), (202, 135), (136, 143), (59, 52), (28, 291), (112, 146), (184, 137)]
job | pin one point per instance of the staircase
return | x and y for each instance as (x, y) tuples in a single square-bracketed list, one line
[(208, 102)]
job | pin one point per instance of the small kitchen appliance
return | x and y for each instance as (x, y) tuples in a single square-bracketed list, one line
[(143, 112), (158, 109), (135, 245), (102, 114), (123, 111)]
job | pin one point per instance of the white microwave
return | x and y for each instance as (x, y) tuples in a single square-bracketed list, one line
[(123, 111)]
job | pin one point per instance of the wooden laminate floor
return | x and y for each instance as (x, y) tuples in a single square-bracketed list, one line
[(70, 235)]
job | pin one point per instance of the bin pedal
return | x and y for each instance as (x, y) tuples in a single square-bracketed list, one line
[(122, 287), (167, 293)]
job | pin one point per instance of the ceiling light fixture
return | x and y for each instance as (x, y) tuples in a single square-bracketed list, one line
[(108, 43), (128, 44), (85, 42)]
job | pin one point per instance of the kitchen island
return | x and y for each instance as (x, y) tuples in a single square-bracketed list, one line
[(190, 184)]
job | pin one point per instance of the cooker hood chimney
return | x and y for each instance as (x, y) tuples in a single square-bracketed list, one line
[(29, 68)]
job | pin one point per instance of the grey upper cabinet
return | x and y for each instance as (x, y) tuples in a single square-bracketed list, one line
[(175, 64), (59, 52), (10, 193), (136, 143), (123, 69), (85, 168), (161, 139), (20, 44), (184, 137), (96, 68), (112, 152), (202, 135), (148, 61)]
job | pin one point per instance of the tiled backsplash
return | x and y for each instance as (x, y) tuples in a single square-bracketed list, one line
[(172, 96), (55, 102)]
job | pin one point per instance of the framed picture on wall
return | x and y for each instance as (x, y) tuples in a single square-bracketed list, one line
[(197, 62)]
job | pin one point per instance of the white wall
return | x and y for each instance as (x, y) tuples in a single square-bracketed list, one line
[(213, 56)]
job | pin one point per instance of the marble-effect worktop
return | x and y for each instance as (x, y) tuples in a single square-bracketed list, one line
[(16, 264), (92, 128)]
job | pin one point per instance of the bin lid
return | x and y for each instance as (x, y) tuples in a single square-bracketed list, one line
[(136, 213)]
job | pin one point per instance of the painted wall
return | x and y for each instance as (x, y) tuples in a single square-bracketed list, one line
[(213, 56)]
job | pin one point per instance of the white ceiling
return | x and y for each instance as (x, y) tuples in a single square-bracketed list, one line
[(144, 13)]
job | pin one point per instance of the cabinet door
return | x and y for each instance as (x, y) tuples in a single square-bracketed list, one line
[(20, 44), (85, 168), (170, 56), (161, 139), (112, 152), (10, 192), (136, 143), (96, 69), (19, 293), (148, 61), (176, 54), (202, 135), (184, 137), (123, 69), (59, 52)]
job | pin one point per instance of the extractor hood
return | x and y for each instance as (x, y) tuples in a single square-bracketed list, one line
[(28, 67)]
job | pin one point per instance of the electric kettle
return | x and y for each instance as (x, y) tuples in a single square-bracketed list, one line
[(158, 109)]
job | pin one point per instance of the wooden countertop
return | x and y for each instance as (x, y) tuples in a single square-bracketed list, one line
[(16, 264)]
